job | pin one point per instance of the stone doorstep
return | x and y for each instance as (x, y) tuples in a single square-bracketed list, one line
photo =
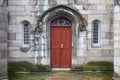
[(61, 69)]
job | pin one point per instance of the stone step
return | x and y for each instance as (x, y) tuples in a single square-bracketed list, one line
[(61, 69)]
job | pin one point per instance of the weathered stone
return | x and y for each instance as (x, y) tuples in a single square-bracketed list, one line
[(3, 46), (32, 2), (82, 48), (117, 61), (3, 27), (117, 53), (108, 53), (12, 36), (78, 2), (52, 2), (89, 7), (109, 7), (3, 54), (97, 52), (116, 2), (109, 35), (3, 38), (14, 2), (3, 33), (101, 7), (99, 59)]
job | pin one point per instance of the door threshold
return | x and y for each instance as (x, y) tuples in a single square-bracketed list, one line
[(61, 69)]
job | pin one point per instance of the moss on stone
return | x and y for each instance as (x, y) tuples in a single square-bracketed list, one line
[(96, 66), (26, 67), (3, 75)]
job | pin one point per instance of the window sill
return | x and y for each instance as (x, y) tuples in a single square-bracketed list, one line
[(25, 48), (96, 45)]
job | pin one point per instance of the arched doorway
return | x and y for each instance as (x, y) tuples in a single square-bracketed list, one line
[(60, 29), (60, 43)]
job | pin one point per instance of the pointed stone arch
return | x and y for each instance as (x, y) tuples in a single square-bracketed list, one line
[(51, 14)]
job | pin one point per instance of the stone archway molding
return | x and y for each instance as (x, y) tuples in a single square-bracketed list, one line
[(44, 36), (59, 9)]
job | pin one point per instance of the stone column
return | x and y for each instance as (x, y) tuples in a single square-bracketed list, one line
[(117, 39), (3, 39)]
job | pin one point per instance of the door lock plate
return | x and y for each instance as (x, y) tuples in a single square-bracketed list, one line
[(61, 45)]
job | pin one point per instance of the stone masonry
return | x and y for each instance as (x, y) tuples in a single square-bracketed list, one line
[(91, 10), (3, 38), (117, 39), (13, 13), (83, 52), (19, 11)]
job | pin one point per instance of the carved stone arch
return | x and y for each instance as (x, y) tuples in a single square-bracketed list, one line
[(62, 8), (65, 11), (25, 21), (51, 14), (96, 20)]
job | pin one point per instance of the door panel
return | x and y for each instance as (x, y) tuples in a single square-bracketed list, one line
[(60, 46), (66, 41), (55, 47)]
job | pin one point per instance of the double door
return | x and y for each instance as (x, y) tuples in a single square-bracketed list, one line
[(60, 44)]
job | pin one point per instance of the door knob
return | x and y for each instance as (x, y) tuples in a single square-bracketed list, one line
[(61, 45)]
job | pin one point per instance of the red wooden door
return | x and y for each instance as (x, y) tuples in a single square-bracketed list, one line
[(61, 46)]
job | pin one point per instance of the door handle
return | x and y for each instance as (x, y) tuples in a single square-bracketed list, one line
[(62, 45)]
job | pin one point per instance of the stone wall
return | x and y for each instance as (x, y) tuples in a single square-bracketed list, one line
[(99, 10), (91, 10), (19, 11), (117, 39), (28, 10), (3, 38)]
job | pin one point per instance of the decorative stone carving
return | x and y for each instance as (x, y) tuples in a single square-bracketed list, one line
[(85, 17), (81, 26), (39, 26)]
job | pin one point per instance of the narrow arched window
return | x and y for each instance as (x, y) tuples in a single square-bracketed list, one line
[(26, 34), (96, 33)]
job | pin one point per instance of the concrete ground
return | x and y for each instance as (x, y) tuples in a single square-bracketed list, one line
[(76, 76), (64, 76)]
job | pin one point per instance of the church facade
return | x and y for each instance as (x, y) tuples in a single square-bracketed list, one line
[(59, 33)]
